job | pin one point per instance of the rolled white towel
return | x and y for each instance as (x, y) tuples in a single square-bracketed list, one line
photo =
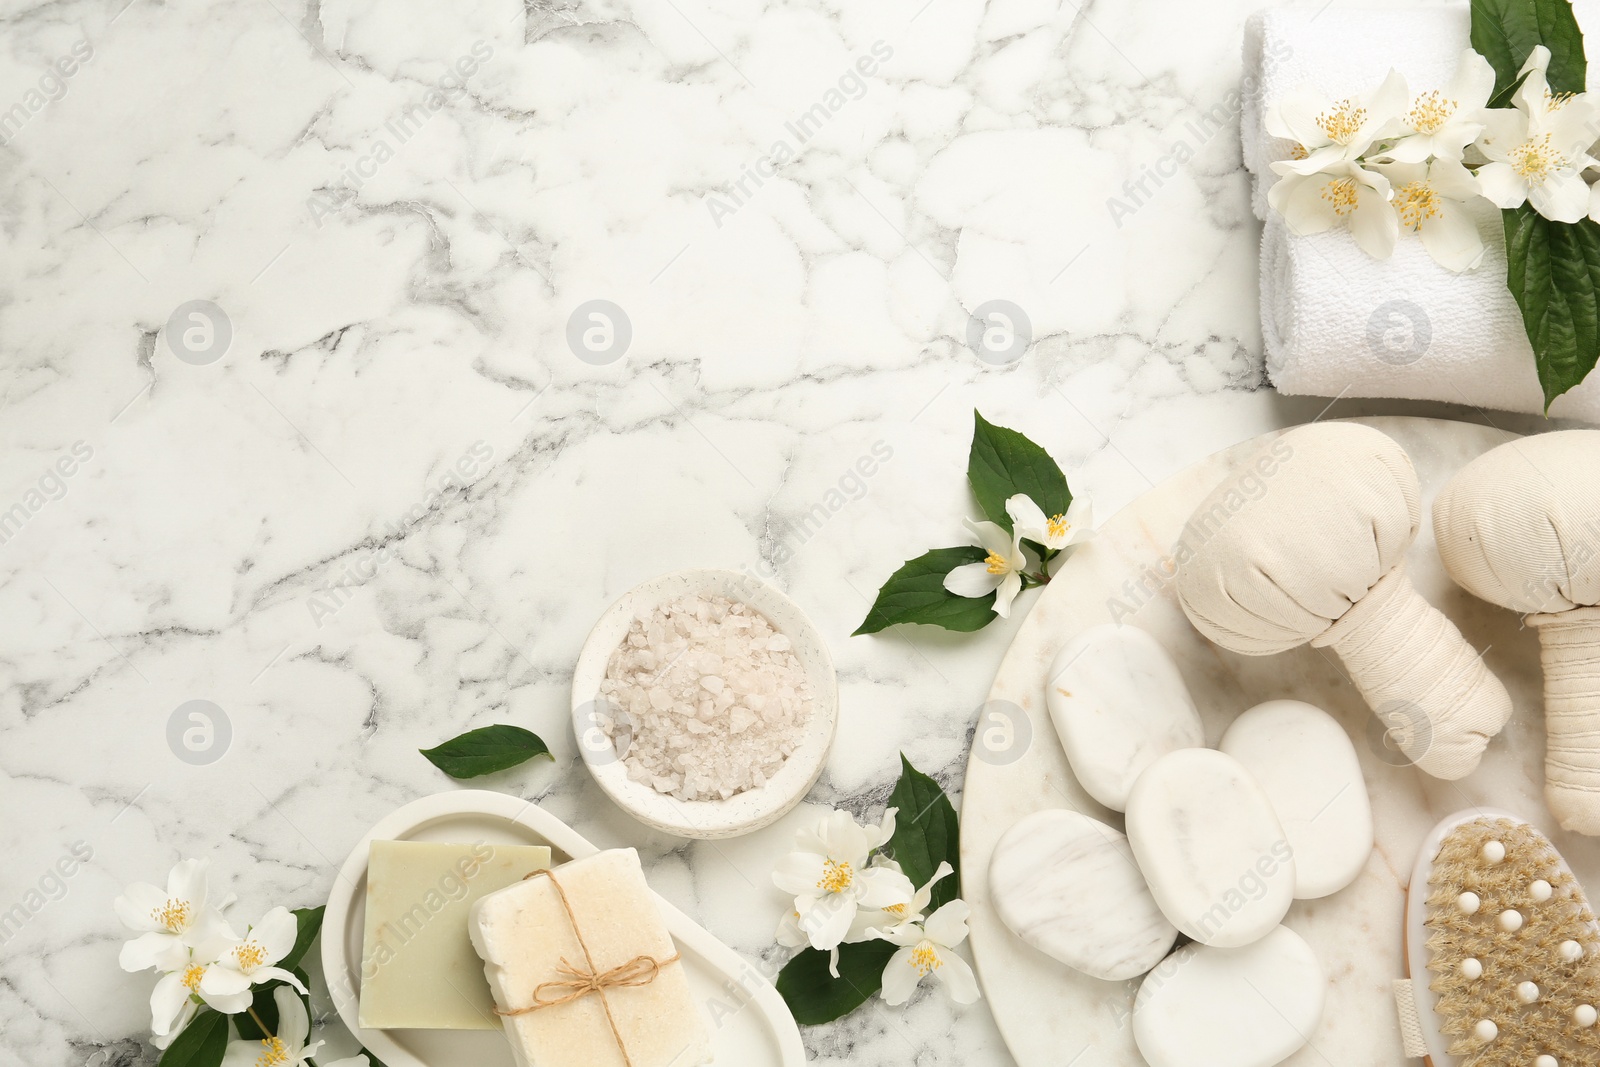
[(1337, 322), (1342, 51)]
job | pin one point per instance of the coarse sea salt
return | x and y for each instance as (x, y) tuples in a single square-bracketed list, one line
[(712, 698)]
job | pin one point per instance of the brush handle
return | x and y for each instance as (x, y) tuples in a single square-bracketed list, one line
[(1569, 648), (1420, 676)]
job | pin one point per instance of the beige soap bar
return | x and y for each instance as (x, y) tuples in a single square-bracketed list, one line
[(418, 969), (525, 932)]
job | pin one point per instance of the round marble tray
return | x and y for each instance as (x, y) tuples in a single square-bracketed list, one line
[(1052, 1016)]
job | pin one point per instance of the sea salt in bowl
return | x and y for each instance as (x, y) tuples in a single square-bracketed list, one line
[(743, 812)]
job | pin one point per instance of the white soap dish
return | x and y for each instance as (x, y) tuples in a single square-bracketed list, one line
[(753, 1026), (708, 819)]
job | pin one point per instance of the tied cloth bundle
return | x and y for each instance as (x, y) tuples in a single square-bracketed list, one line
[(578, 983), (1307, 545), (1520, 527)]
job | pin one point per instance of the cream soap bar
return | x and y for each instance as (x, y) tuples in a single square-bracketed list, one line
[(418, 969), (547, 940)]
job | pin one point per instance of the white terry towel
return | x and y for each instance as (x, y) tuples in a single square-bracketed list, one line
[(1337, 322)]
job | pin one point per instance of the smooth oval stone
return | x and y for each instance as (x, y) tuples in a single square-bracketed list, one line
[(1212, 851), (1305, 763), (1068, 885), (1230, 1007), (1119, 704)]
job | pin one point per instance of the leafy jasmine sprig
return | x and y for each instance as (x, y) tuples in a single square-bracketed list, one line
[(1030, 518), (214, 982), (860, 926)]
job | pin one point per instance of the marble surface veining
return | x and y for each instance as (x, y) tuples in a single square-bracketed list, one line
[(308, 413)]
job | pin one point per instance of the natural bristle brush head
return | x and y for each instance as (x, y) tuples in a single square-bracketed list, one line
[(1503, 948)]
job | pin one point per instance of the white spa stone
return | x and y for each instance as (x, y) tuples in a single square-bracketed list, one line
[(1118, 704), (1471, 969), (1237, 1007), (1528, 992), (1485, 1030), (1468, 903), (1494, 852), (1068, 885), (1585, 1015), (1571, 951), (1511, 920), (1540, 891), (1211, 849), (1305, 762)]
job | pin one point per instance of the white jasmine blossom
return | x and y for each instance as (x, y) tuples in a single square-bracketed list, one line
[(288, 1047), (1538, 151), (1000, 573), (1430, 200), (179, 993), (1344, 193), (250, 960), (171, 922), (1329, 133), (1054, 532), (831, 879), (927, 948), (1441, 123)]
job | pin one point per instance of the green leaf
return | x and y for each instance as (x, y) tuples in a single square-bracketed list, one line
[(310, 924), (372, 1060), (201, 1044), (926, 833), (916, 593), (1003, 463), (814, 996), (486, 750), (1505, 31), (1554, 274)]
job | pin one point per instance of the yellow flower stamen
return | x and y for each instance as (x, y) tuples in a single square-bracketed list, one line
[(1342, 194), (1556, 101), (897, 910), (836, 877), (925, 958), (1298, 152), (174, 915), (192, 975), (1057, 525), (250, 955), (1343, 121), (1416, 202), (1536, 159), (997, 564), (1431, 111), (273, 1052)]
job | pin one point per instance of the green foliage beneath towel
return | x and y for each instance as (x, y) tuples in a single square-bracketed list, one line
[(1553, 268), (1554, 273)]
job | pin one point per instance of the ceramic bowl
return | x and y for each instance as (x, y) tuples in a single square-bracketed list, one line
[(747, 811)]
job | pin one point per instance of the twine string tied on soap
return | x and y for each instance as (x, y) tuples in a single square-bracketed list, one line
[(576, 983)]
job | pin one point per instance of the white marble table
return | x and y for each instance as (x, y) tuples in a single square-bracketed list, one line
[(390, 271)]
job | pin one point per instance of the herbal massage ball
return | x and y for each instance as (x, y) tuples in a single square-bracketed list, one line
[(1307, 544), (1520, 527)]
